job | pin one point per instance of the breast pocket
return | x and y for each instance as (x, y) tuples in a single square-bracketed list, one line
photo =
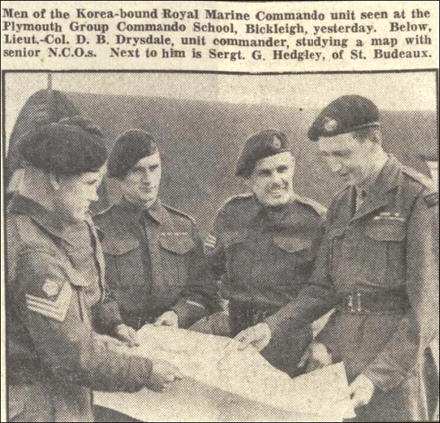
[(175, 251), (293, 257), (385, 250), (124, 262)]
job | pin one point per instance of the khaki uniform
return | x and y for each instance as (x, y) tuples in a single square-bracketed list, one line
[(154, 263), (379, 266), (55, 288), (263, 257)]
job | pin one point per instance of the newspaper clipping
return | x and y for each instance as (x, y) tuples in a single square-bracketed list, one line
[(219, 211)]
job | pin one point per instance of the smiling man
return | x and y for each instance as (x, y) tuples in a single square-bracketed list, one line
[(378, 264), (155, 265), (263, 244)]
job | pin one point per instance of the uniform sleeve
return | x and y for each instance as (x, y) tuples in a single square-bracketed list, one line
[(315, 299), (106, 314), (420, 325), (64, 341), (199, 298)]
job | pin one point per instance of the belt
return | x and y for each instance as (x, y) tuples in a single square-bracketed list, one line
[(359, 302), (244, 314)]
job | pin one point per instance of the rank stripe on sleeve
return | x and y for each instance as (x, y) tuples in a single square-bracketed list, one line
[(210, 241), (56, 310)]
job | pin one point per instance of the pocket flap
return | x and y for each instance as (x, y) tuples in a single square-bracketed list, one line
[(386, 230), (117, 246), (291, 244), (178, 243)]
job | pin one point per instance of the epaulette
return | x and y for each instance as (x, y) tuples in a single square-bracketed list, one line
[(235, 202), (180, 213), (237, 198), (317, 207), (418, 177), (430, 192), (103, 211)]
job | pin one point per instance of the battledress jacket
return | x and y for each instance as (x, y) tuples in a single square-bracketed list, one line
[(379, 266), (264, 256), (155, 262), (55, 286)]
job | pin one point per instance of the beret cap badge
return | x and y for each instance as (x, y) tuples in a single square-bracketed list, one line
[(276, 142), (330, 124)]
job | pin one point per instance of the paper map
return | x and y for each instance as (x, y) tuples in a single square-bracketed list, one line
[(238, 385)]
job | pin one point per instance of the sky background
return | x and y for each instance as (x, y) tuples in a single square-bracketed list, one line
[(390, 91)]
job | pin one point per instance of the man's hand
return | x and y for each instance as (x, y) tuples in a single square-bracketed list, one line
[(259, 336), (315, 357), (126, 334), (169, 318), (361, 391), (163, 374)]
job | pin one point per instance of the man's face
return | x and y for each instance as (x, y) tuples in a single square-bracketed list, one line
[(141, 184), (351, 159), (272, 178), (75, 194)]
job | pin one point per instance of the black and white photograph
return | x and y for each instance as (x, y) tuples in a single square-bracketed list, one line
[(212, 246)]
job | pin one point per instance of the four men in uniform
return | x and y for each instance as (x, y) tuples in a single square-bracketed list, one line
[(375, 261)]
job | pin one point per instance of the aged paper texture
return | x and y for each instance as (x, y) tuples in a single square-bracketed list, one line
[(219, 101)]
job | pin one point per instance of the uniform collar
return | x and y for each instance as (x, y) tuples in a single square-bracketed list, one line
[(366, 187), (157, 211), (281, 215), (387, 180), (48, 219)]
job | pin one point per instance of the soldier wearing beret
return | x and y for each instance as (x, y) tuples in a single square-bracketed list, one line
[(155, 264), (378, 265), (263, 244), (55, 285)]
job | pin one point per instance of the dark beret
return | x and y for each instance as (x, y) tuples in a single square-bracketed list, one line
[(263, 144), (69, 147), (346, 114), (129, 148)]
